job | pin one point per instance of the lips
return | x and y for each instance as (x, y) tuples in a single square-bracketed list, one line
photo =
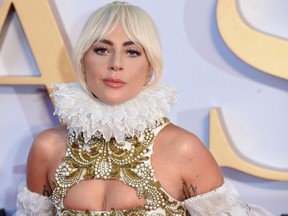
[(114, 83)]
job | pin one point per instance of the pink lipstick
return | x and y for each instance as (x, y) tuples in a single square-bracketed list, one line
[(114, 83)]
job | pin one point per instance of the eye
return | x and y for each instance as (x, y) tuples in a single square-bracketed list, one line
[(101, 50), (133, 52)]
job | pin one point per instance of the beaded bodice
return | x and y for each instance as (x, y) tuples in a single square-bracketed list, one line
[(127, 161)]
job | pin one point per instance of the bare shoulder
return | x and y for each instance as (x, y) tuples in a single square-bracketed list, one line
[(186, 144), (50, 140), (44, 152), (198, 169)]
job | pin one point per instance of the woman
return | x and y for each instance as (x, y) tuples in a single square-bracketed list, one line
[(117, 153)]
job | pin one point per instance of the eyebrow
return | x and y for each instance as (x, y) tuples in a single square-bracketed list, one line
[(108, 42)]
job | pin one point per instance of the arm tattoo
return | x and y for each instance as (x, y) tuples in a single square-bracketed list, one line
[(189, 191), (46, 191), (192, 190)]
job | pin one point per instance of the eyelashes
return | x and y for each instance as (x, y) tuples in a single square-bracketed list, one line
[(133, 52), (105, 51), (101, 50)]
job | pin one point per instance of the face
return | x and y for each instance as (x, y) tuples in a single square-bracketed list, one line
[(115, 68)]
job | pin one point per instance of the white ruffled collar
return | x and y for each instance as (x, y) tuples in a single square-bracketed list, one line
[(84, 113)]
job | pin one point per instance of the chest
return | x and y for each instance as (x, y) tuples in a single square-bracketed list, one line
[(99, 195), (107, 194), (108, 175)]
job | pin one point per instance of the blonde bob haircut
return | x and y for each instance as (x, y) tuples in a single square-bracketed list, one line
[(138, 26)]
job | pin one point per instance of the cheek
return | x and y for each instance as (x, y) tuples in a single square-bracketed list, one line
[(140, 78), (86, 65), (91, 67), (142, 69)]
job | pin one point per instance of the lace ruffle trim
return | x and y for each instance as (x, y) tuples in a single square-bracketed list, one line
[(86, 114), (222, 201), (29, 203)]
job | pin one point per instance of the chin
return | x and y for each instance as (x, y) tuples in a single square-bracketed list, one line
[(114, 101)]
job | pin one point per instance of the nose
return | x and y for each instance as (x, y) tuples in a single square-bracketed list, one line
[(116, 63)]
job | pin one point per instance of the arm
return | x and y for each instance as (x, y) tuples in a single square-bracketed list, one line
[(200, 173), (33, 198), (38, 164), (204, 187)]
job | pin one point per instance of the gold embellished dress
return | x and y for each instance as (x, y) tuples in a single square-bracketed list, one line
[(119, 146), (116, 142), (99, 159)]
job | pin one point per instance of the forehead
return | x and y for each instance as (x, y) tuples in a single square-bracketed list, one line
[(119, 34)]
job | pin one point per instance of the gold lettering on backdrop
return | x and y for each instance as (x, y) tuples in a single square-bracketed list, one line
[(264, 52), (45, 41), (226, 156), (267, 53)]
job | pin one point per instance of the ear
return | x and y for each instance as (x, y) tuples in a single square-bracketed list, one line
[(149, 75)]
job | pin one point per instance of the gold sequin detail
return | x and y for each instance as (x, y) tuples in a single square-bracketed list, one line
[(127, 161)]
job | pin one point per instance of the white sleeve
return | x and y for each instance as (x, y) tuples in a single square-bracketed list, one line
[(222, 201), (32, 204)]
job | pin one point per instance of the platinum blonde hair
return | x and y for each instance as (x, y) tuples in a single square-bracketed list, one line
[(138, 26)]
